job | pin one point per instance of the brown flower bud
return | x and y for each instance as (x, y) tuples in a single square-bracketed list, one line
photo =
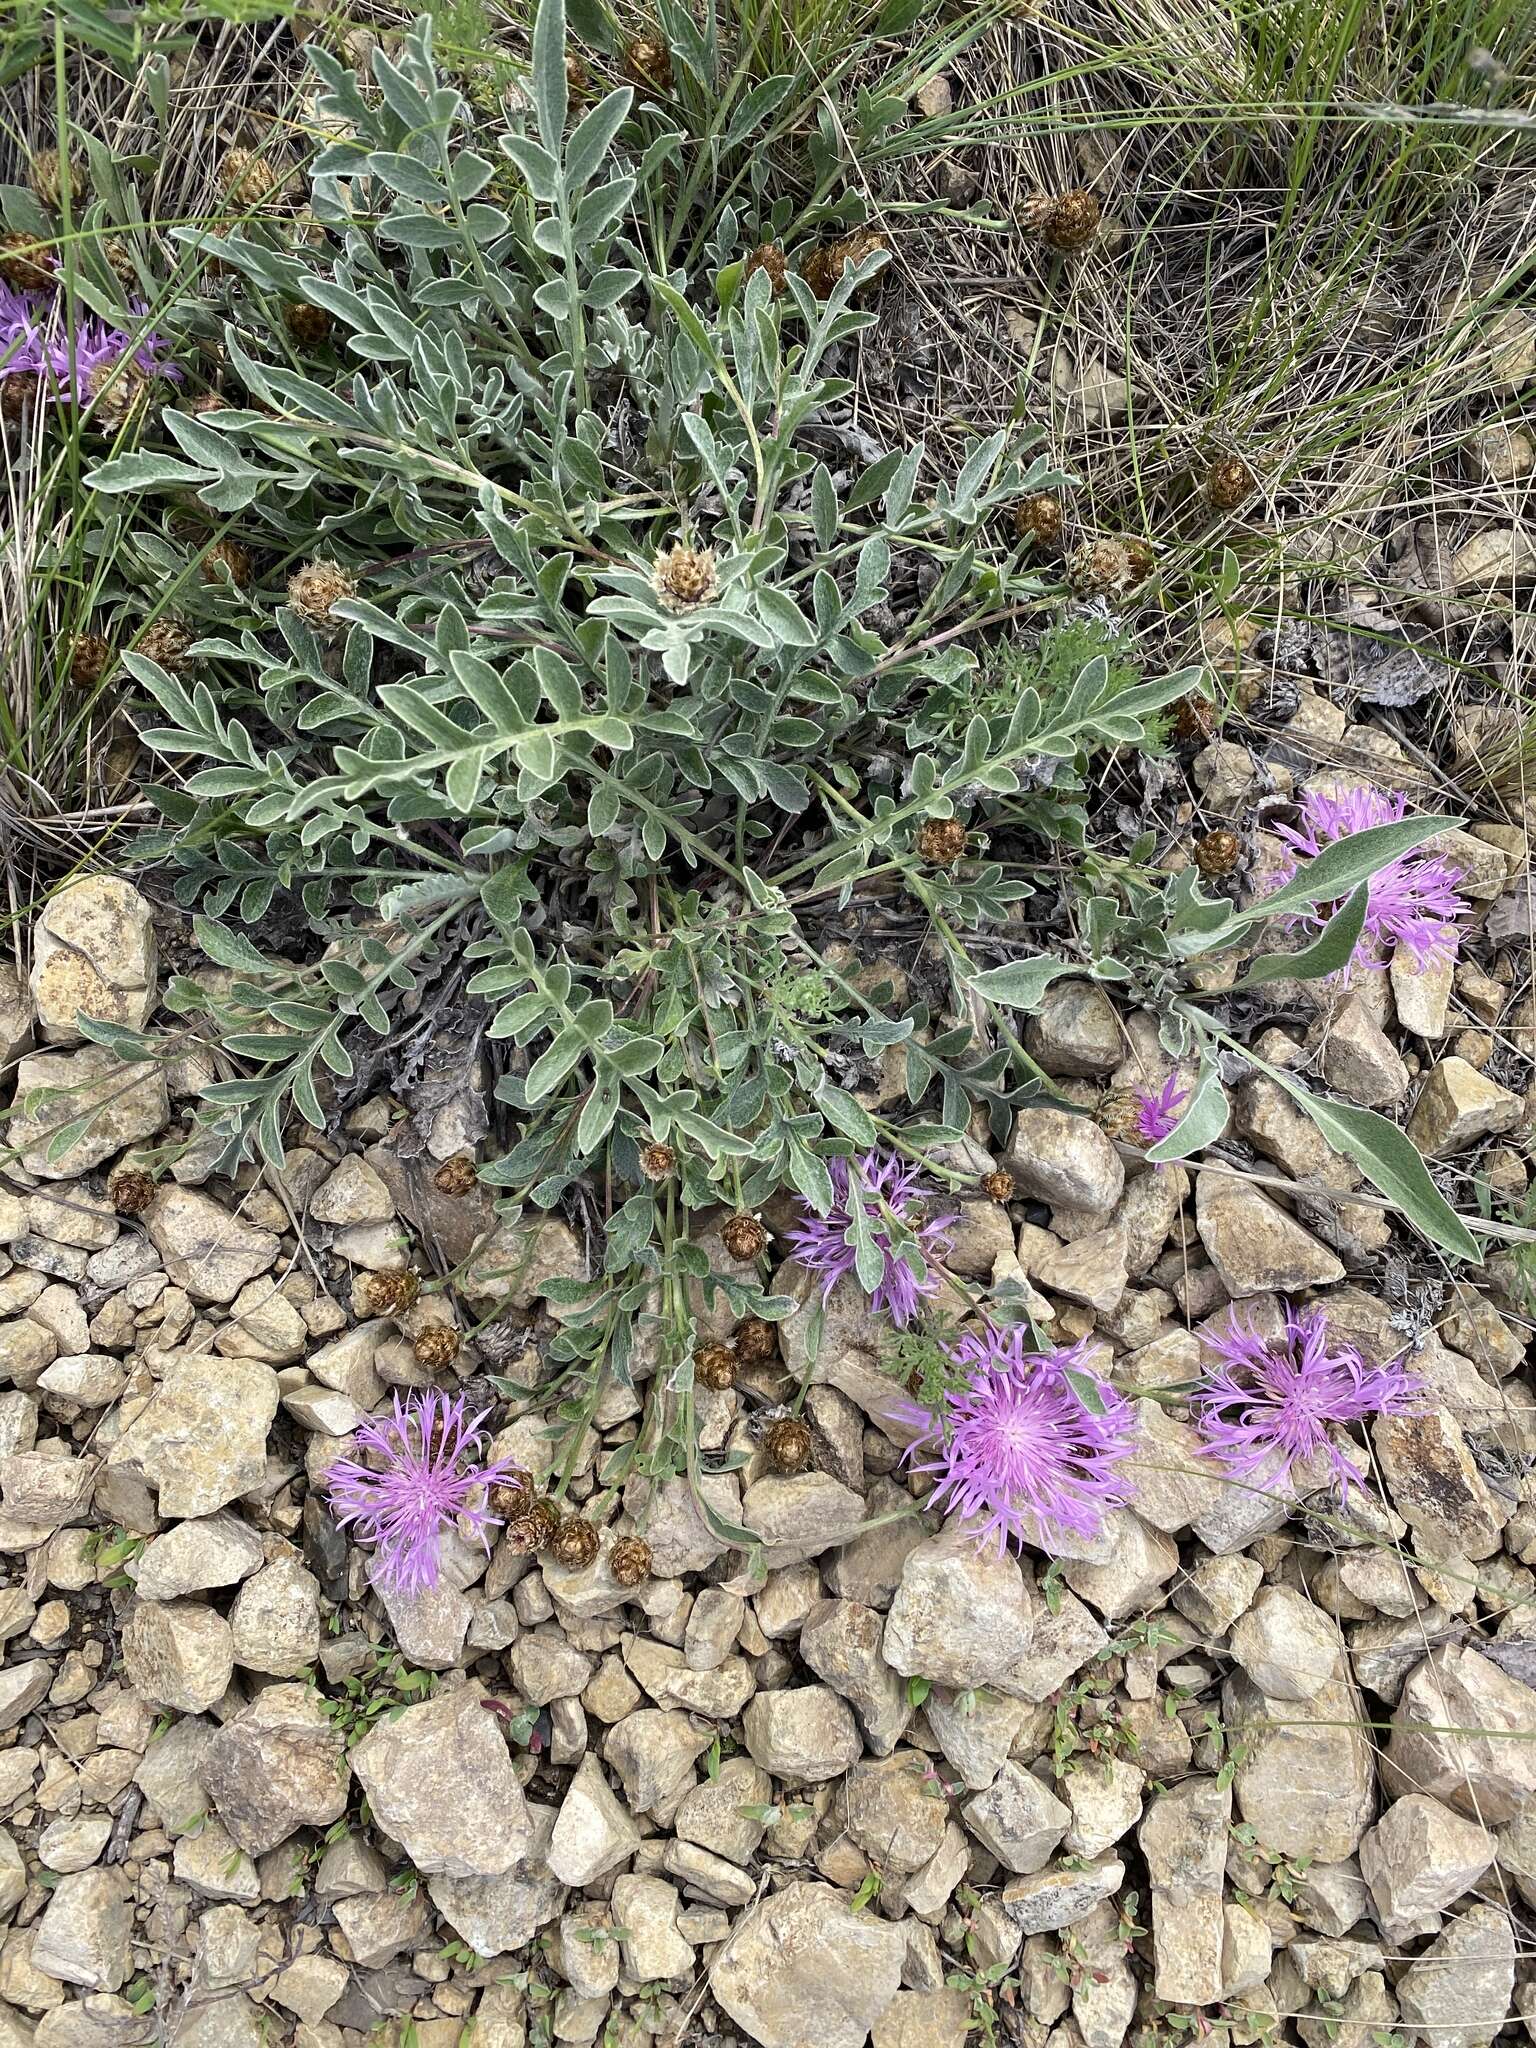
[(309, 325), (823, 268), (390, 1293), (578, 80), (455, 1176), (245, 178), (769, 258), (20, 394), (574, 1543), (47, 178), (743, 1236), (511, 1497), (998, 1186), (756, 1341), (1228, 482), (788, 1444), (658, 1162), (315, 586), (647, 64), (27, 263), (630, 1561), (436, 1347), (714, 1366), (165, 641), (1065, 221), (941, 841), (130, 1190), (1117, 1114), (226, 556), (1039, 518), (532, 1529), (1217, 853), (684, 578), (1194, 718), (89, 660)]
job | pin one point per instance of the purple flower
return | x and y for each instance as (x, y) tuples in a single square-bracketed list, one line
[(1017, 1447), (887, 1188), (427, 1467), (98, 348), (1157, 1115), (1412, 902), (1269, 1403), (21, 345)]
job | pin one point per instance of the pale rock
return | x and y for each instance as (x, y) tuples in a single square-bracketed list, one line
[(1503, 453), (1306, 1779), (926, 2019), (1457, 1993), (1421, 993), (1435, 1484), (85, 1934), (90, 1379), (263, 1323), (350, 1868), (352, 1192), (798, 1516), (277, 1765), (646, 1909), (178, 1654), (1358, 1059), (718, 1813), (974, 1730), (1419, 1859), (346, 1364), (959, 1617), (501, 1915), (980, 1236), (653, 1751), (1247, 1950), (1495, 559), (210, 1861), (1018, 1819), (590, 1967), (309, 1986), (1142, 1561), (1105, 1801), (1216, 1591), (18, 1019), (207, 1250), (1462, 1732), (1253, 1244), (801, 1734), (1066, 1636), (681, 1540), (891, 1810), (1053, 1899), (126, 1103), (1184, 1839), (704, 1875), (1289, 1648), (1331, 1897), (439, 1778), (1090, 1270), (47, 1491), (841, 1642), (216, 1550), (171, 1774), (868, 1569), (593, 1833), (801, 1967), (1075, 1031), (1063, 1158), (1458, 1107), (67, 1845), (377, 1925), (201, 1439), (516, 1261), (275, 1620), (430, 1626), (93, 953)]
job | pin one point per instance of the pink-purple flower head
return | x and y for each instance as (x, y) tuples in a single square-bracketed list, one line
[(890, 1195), (425, 1474), (75, 363), (1411, 902), (1017, 1450), (1269, 1404), (21, 342), (1157, 1115)]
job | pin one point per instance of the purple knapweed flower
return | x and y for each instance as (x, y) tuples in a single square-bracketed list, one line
[(21, 342), (1158, 1115), (1017, 1449), (1269, 1403), (1412, 902), (824, 1244), (427, 1467), (81, 366)]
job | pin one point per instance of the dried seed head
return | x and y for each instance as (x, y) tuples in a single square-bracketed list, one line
[(1194, 717), (684, 578), (578, 81), (118, 255), (574, 1543), (647, 64), (226, 556), (19, 394), (823, 268), (115, 392), (1117, 1113), (1140, 559), (1065, 221), (89, 660), (1039, 518), (941, 841), (768, 257), (998, 1186), (1099, 566), (743, 1236), (47, 178), (245, 178), (130, 1190), (788, 1444), (658, 1162), (532, 1529), (165, 641), (390, 1293), (1216, 853), (208, 401), (436, 1347), (714, 1366), (756, 1341), (309, 325), (629, 1561), (27, 263), (456, 1176), (1228, 482), (511, 1497), (315, 587)]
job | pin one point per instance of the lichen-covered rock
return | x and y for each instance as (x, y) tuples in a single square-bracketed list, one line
[(93, 953), (276, 1766), (178, 1654), (117, 1103), (439, 1778), (201, 1439), (800, 1967)]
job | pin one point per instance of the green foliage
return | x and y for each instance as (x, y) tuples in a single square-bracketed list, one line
[(382, 1691)]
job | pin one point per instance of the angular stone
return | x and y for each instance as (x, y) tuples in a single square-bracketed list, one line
[(1184, 1839), (276, 1766), (207, 1250), (891, 1809), (439, 1778), (178, 1654), (646, 1909), (501, 1915), (1169, 1471), (1059, 1898), (975, 1731), (718, 1814), (1358, 1059), (1421, 993), (1090, 1270), (1253, 1244), (802, 1734), (126, 1104), (1288, 1647), (93, 953), (798, 1516), (1075, 1031), (1217, 1591), (960, 1618), (1419, 1859), (275, 1620), (85, 1933), (1306, 1781), (1435, 1484), (593, 1833), (1065, 1159), (1018, 1819), (216, 1550), (1141, 1562), (377, 1925), (1458, 1107), (517, 1261), (1464, 1732), (170, 1775), (840, 1641), (1457, 1993), (49, 1492), (201, 1439), (1105, 1801), (352, 1193), (801, 1967), (653, 1752)]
